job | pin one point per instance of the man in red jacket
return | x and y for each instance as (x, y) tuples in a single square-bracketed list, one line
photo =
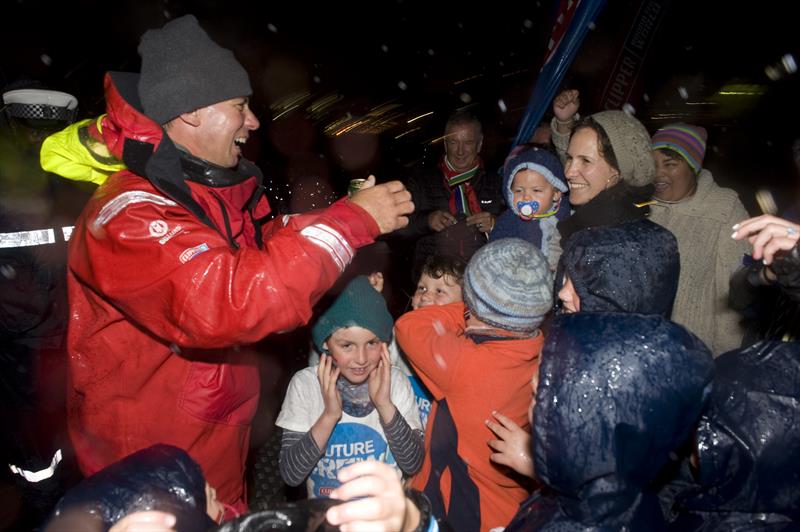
[(172, 266)]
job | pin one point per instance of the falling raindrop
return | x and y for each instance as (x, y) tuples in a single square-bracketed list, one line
[(8, 271), (528, 23), (272, 28), (384, 48), (789, 63), (466, 98), (430, 51), (592, 26), (683, 92), (502, 105), (772, 73), (629, 109), (402, 85), (46, 59)]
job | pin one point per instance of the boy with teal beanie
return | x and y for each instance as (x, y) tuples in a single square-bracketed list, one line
[(353, 405)]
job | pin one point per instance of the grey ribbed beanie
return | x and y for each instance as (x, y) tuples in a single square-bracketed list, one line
[(184, 70), (631, 144), (507, 284)]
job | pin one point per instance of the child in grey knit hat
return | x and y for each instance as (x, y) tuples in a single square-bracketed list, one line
[(354, 405), (477, 357)]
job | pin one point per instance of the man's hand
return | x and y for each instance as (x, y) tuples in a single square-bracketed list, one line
[(438, 220), (376, 501), (484, 221), (565, 107), (513, 446), (389, 204)]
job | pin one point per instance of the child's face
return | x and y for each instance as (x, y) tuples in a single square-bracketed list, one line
[(356, 352), (439, 291), (569, 297), (528, 185)]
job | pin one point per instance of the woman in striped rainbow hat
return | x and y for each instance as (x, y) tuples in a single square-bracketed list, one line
[(700, 214)]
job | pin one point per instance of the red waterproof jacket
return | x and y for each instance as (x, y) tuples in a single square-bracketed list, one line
[(171, 274)]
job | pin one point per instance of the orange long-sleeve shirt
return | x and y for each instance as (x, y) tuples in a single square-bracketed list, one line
[(469, 378)]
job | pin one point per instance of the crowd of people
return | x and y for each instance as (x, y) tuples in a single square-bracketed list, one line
[(593, 340)]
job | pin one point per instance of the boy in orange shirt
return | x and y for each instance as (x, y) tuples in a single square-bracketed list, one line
[(478, 357)]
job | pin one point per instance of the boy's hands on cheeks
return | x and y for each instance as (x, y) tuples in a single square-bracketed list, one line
[(327, 376), (380, 503), (380, 386)]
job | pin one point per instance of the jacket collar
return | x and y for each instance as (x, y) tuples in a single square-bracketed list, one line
[(618, 204)]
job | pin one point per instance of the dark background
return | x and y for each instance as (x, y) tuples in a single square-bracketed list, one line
[(445, 55)]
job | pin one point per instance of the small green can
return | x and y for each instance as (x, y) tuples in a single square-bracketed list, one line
[(354, 186)]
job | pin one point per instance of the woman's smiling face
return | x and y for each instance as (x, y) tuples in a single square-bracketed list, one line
[(588, 173)]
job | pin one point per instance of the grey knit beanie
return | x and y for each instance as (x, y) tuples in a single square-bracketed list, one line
[(631, 144), (359, 305), (184, 70), (508, 285)]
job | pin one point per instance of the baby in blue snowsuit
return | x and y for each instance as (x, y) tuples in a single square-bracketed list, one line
[(534, 185)]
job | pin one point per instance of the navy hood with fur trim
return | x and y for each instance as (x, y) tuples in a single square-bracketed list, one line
[(617, 394), (161, 477), (630, 267), (748, 444)]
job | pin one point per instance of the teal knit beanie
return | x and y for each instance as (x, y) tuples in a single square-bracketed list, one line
[(359, 305)]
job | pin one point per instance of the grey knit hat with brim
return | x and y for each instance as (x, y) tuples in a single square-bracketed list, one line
[(508, 285), (184, 70), (631, 144), (359, 305)]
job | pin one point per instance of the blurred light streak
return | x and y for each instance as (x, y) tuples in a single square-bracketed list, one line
[(420, 116)]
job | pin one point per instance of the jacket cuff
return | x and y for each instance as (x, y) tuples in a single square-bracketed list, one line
[(354, 223)]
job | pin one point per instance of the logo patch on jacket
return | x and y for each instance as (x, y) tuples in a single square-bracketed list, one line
[(190, 253), (172, 232), (158, 228)]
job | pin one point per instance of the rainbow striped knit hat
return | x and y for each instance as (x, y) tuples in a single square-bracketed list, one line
[(686, 139)]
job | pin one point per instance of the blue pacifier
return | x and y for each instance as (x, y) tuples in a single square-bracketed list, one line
[(528, 209)]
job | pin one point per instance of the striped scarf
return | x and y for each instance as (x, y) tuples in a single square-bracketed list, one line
[(463, 199)]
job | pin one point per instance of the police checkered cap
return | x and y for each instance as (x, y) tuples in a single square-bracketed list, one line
[(40, 104)]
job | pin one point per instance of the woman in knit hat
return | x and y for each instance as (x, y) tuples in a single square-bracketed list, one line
[(354, 405), (608, 165), (700, 214)]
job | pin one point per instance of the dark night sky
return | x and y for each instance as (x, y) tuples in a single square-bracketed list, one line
[(364, 52)]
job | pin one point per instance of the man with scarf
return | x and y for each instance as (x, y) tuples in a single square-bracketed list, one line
[(456, 203)]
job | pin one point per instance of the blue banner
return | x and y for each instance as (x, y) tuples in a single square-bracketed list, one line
[(573, 19)]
